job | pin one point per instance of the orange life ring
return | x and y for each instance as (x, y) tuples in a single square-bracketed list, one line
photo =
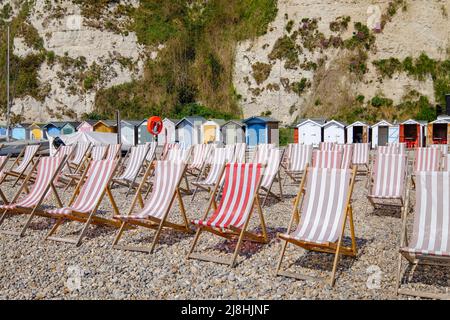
[(154, 125)]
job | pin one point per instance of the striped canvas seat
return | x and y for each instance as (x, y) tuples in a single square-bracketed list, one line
[(98, 152), (447, 162), (323, 211), (427, 159), (442, 147), (326, 146), (361, 154), (178, 154), (389, 176), (80, 152), (137, 156), (273, 166), (64, 151), (3, 161), (347, 155), (300, 157), (98, 178), (46, 169), (400, 147), (230, 150), (389, 149), (241, 185), (217, 163), (239, 153), (113, 152), (327, 159), (30, 152), (151, 155), (262, 153), (200, 154), (431, 232), (167, 147)]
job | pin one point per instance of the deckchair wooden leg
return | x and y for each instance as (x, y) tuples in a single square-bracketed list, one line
[(158, 233), (119, 234), (85, 227), (238, 246), (194, 243), (335, 263), (2, 218), (352, 230), (261, 218), (399, 270), (25, 227), (2, 195), (280, 259), (54, 228), (194, 193), (281, 188)]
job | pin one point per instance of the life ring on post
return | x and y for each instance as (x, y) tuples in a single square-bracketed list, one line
[(154, 125)]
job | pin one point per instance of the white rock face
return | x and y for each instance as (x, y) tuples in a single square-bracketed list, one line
[(421, 28)]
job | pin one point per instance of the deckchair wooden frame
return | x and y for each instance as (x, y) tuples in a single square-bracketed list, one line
[(75, 167), (268, 191), (35, 210), (333, 248), (2, 195), (20, 175), (89, 217), (152, 222), (415, 259), (231, 232), (207, 188)]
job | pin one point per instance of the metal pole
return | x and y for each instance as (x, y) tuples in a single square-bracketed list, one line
[(8, 103)]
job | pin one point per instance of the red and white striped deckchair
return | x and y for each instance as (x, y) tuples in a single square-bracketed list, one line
[(361, 152), (347, 154), (114, 151), (26, 159), (215, 171), (299, 159), (327, 159), (272, 173), (154, 212), (427, 159), (387, 181), (239, 153), (232, 216), (3, 162), (326, 146), (430, 242), (133, 167), (262, 152), (48, 168), (322, 210), (88, 194)]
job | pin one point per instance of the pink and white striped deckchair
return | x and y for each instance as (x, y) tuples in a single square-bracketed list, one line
[(232, 216), (446, 166), (88, 194), (325, 210), (133, 167), (114, 151), (3, 162), (427, 159), (154, 212), (401, 147), (239, 153), (444, 152), (26, 158), (48, 168), (262, 152), (389, 149), (81, 150), (151, 155), (99, 152), (326, 146), (361, 152), (215, 171), (327, 159), (167, 147), (200, 154), (179, 155), (430, 242), (271, 174), (299, 159), (64, 151), (347, 154), (387, 182)]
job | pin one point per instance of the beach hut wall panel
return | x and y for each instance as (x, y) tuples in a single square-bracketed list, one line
[(380, 133), (358, 132), (438, 132), (108, 126), (309, 132), (412, 133), (394, 134), (69, 128), (20, 132), (53, 130), (129, 132), (211, 130), (143, 136), (3, 131), (36, 132), (86, 126), (168, 133), (261, 130), (334, 131), (233, 131), (190, 130)]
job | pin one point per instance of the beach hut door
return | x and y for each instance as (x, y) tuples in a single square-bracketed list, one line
[(383, 133)]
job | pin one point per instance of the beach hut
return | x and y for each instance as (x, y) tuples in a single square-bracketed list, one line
[(211, 130), (413, 133), (168, 133), (53, 129), (233, 131), (190, 130), (36, 131), (309, 131), (86, 126), (438, 131), (129, 132), (143, 135), (334, 131), (381, 132), (261, 130), (108, 126), (69, 127), (358, 132), (20, 131)]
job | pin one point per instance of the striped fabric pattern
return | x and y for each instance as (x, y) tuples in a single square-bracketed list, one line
[(98, 152), (64, 151), (230, 151), (400, 146), (347, 155), (447, 162), (137, 155), (427, 159), (178, 154), (239, 153), (300, 157), (167, 147), (241, 184), (432, 217), (389, 174), (389, 149), (262, 153), (326, 146), (218, 161), (80, 152), (27, 157), (46, 168), (323, 211), (113, 152), (200, 154), (2, 160), (152, 150), (273, 165), (167, 177), (327, 159), (361, 153), (98, 176), (442, 147)]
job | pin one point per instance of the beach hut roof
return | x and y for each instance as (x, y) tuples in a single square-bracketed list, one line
[(37, 125), (74, 124), (412, 121), (108, 123), (319, 121), (441, 120), (382, 123), (220, 122), (237, 122), (135, 123), (339, 123), (192, 120), (260, 119), (358, 123), (174, 121)]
